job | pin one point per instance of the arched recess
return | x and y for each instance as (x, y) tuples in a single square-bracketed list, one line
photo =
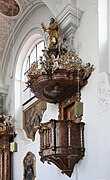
[(26, 49), (18, 110), (29, 23), (29, 34)]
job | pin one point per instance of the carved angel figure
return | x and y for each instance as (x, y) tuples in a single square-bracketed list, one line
[(63, 48), (55, 62), (34, 68), (9, 120), (42, 66)]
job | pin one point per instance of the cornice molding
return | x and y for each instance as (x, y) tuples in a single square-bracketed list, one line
[(69, 20)]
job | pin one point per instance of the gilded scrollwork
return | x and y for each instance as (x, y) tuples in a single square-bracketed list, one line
[(52, 62), (6, 122), (59, 69)]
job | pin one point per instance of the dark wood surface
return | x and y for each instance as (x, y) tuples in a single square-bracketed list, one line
[(62, 143), (6, 136), (57, 86)]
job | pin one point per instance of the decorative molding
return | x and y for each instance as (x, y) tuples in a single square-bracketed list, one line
[(15, 28), (69, 20), (3, 94), (56, 6), (7, 24), (103, 92), (10, 26)]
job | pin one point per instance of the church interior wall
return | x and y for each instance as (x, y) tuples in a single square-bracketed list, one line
[(94, 165)]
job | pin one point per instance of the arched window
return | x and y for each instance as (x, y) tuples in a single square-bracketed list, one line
[(36, 52)]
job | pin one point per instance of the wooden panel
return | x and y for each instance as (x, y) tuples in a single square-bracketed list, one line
[(65, 147)]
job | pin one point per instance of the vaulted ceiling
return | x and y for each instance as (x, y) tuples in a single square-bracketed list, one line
[(12, 10)]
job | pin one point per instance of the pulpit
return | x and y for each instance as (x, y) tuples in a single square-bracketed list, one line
[(58, 77), (62, 143)]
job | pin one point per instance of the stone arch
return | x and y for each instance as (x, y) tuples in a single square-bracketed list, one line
[(24, 42)]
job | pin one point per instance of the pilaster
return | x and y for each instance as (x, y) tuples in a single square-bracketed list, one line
[(69, 20)]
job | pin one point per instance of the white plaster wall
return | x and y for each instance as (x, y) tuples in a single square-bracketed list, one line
[(30, 26), (95, 164), (87, 46), (25, 37), (103, 11), (43, 171)]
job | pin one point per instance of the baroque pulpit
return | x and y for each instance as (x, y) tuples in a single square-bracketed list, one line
[(58, 77)]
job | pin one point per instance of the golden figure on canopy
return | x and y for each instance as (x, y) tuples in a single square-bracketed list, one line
[(53, 31)]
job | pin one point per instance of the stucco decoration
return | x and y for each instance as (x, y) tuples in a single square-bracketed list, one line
[(9, 17), (103, 92), (69, 20), (60, 4), (7, 23)]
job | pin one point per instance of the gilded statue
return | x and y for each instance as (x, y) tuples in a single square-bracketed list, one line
[(53, 31)]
